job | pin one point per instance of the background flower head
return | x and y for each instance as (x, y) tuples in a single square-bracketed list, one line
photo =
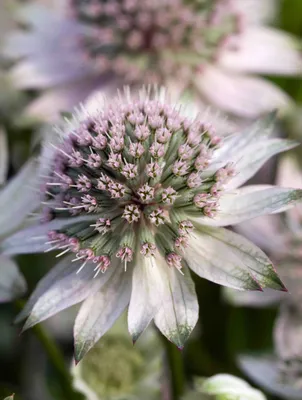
[(114, 369), (211, 49)]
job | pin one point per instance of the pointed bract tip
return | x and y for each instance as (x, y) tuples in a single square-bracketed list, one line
[(27, 326), (180, 347), (77, 357), (135, 337)]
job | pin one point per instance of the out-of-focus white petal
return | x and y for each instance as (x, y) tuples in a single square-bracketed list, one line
[(253, 157), (22, 44), (256, 11), (178, 312), (99, 311), (287, 332), (3, 156), (289, 173), (18, 198), (263, 371), (241, 95), (33, 239), (267, 298), (65, 98), (251, 202), (39, 16), (12, 283), (259, 265), (61, 288), (146, 283), (44, 72), (266, 232), (262, 50)]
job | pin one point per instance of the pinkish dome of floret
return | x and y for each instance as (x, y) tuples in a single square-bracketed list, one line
[(143, 39), (137, 169)]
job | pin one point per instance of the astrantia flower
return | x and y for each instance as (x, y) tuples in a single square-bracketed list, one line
[(131, 225), (209, 48)]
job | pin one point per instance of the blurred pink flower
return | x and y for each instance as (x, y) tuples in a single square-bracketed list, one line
[(214, 51)]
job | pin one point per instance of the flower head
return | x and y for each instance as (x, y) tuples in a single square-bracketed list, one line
[(208, 47), (131, 235)]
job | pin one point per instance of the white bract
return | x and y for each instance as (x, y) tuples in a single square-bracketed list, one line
[(130, 227), (211, 50)]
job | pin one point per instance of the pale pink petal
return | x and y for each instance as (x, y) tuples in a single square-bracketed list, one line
[(266, 232), (49, 105), (262, 50), (240, 95), (44, 72), (289, 172), (39, 16)]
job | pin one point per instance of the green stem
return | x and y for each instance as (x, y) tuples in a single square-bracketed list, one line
[(175, 363), (55, 357)]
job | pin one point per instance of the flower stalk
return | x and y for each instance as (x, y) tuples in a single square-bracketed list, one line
[(174, 360)]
